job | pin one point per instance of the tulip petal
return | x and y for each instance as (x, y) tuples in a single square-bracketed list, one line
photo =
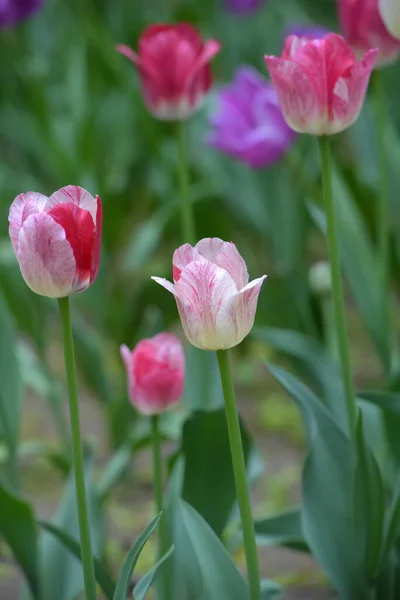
[(76, 194), (166, 284), (127, 357), (226, 256), (390, 13), (236, 317), (97, 241), (169, 348), (210, 49), (296, 94), (201, 291), (183, 256), (129, 53), (16, 215), (45, 257)]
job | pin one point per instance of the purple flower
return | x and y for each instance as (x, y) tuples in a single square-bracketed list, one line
[(308, 31), (12, 11), (243, 7), (248, 123)]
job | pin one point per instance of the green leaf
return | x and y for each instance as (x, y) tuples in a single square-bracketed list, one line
[(11, 388), (102, 577), (281, 530), (369, 503), (18, 527), (203, 568), (315, 362), (210, 468), (125, 575), (389, 402), (142, 587), (203, 390), (328, 488)]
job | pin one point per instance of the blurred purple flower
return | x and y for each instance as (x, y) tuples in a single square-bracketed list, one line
[(308, 31), (243, 7), (248, 123), (12, 11)]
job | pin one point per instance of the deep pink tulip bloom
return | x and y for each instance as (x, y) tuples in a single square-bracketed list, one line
[(57, 240), (320, 84), (156, 373), (216, 302), (362, 26), (173, 64)]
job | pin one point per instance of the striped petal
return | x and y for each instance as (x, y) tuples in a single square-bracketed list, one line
[(75, 194)]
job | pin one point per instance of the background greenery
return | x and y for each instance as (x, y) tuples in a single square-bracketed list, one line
[(71, 112)]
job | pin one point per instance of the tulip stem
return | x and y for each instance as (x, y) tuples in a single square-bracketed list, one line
[(187, 214), (382, 201), (239, 470), (158, 496), (77, 455), (337, 286)]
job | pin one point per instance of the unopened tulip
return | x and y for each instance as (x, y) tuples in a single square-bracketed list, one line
[(216, 302), (390, 13), (363, 28), (156, 373), (320, 84), (57, 240), (173, 65)]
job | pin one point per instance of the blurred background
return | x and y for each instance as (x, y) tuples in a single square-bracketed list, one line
[(71, 111)]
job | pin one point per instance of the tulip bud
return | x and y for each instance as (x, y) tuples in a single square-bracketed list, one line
[(320, 279), (156, 373), (57, 240), (216, 302), (173, 65), (320, 84)]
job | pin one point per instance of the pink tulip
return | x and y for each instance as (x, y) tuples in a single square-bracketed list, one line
[(320, 84), (362, 26), (156, 373), (216, 303), (57, 240), (173, 64)]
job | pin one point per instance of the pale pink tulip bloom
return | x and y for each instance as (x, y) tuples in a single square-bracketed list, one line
[(390, 13), (156, 373), (57, 240), (216, 302), (362, 26), (320, 84)]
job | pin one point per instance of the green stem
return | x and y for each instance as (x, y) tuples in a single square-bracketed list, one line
[(239, 470), (337, 287), (158, 496), (382, 201), (187, 214), (84, 530)]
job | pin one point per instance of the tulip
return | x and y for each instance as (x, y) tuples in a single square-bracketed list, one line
[(57, 240), (362, 26), (243, 7), (173, 65), (156, 373), (248, 122), (216, 303), (320, 84), (12, 11), (390, 14)]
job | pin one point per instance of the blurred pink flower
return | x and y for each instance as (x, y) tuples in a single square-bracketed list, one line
[(57, 240), (156, 373), (216, 303), (173, 65), (362, 26), (320, 84), (12, 11)]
